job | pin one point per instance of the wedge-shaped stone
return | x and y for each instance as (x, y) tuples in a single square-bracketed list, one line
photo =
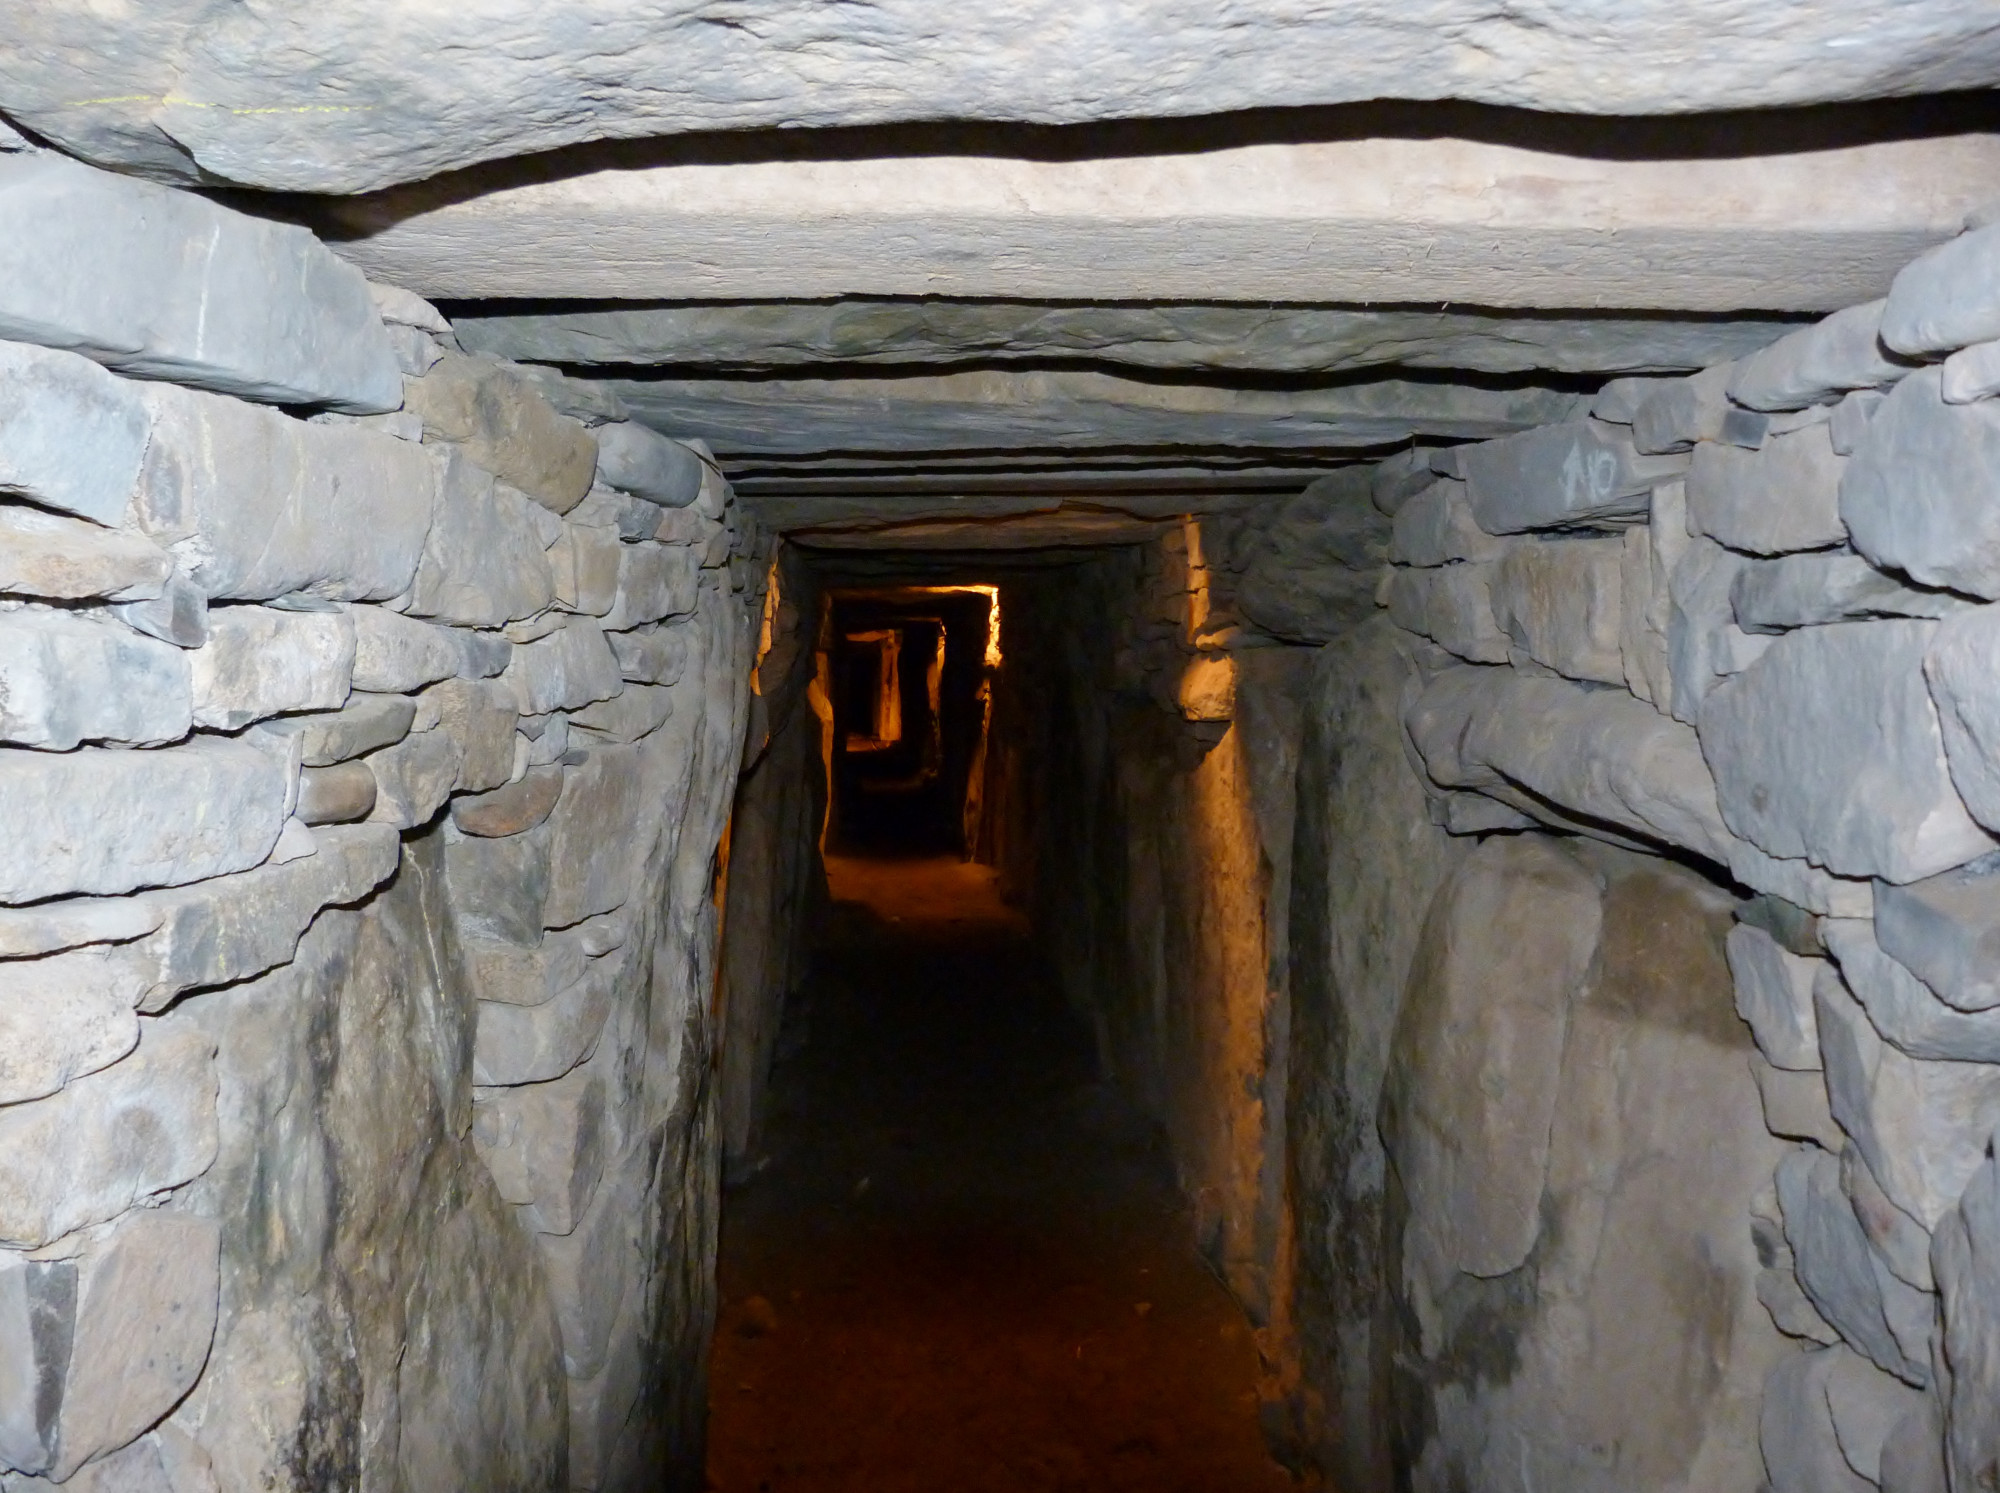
[(65, 1016), (71, 435), (544, 1144), (110, 1139), (1967, 1257), (1704, 644), (1902, 1242), (165, 284), (1947, 931), (500, 885), (651, 655), (1922, 1126), (1436, 527), (585, 561), (65, 679), (1687, 410), (1810, 589), (1452, 606), (593, 851), (1813, 364), (514, 976), (483, 564), (1827, 748), (1774, 996), (261, 661), (532, 1044), (395, 655), (1964, 675), (510, 810), (1561, 476), (106, 821), (503, 423), (637, 711), (1946, 298), (232, 927), (50, 927), (64, 559), (1904, 1009), (648, 465), (364, 724), (563, 671), (414, 777), (1772, 501), (1795, 1108), (178, 615), (654, 581), (1560, 601), (479, 715), (258, 505), (339, 794), (1921, 494)]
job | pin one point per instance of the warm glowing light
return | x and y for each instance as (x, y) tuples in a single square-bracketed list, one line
[(991, 593)]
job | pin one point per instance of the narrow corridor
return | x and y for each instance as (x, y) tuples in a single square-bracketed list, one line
[(962, 1264)]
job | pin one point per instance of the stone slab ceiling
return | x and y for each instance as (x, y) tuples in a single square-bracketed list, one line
[(354, 96)]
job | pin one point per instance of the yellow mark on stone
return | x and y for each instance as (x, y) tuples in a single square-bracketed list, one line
[(169, 101)]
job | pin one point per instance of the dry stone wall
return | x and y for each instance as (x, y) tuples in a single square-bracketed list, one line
[(364, 772)]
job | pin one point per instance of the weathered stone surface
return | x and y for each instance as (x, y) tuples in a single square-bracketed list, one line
[(257, 505), (585, 562), (648, 465), (519, 806), (545, 1145), (109, 1139), (1774, 995), (654, 581), (505, 425), (63, 559), (1801, 1447), (532, 1044), (1704, 644), (51, 927), (514, 976), (66, 679), (64, 1016), (1810, 365), (482, 565), (1961, 669), (1919, 495), (1561, 601), (590, 845), (1451, 605), (338, 794), (637, 711), (1687, 410), (106, 821), (179, 615), (1846, 1283), (1946, 298), (165, 284), (1904, 1009), (1947, 931), (365, 723), (499, 885), (1921, 1126), (145, 1316), (414, 777), (1436, 527), (1796, 1108), (1558, 476), (651, 655), (565, 670), (71, 435), (1828, 748), (479, 715), (1809, 589), (1967, 1258), (394, 654), (260, 661), (1645, 566), (1781, 498), (1971, 374)]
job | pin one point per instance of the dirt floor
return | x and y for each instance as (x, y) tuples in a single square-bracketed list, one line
[(962, 1266)]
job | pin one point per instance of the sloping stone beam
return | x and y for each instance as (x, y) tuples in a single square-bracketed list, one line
[(1393, 221), (352, 97)]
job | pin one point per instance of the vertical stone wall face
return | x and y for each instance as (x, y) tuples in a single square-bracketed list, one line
[(364, 774)]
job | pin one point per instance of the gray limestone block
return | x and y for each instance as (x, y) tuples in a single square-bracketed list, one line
[(1435, 527), (568, 668), (1801, 883), (405, 308), (592, 849), (544, 1144), (1812, 365), (105, 821), (364, 724), (655, 581), (1451, 605), (1846, 1282), (648, 465), (1801, 1448), (396, 655), (585, 399), (479, 715), (532, 1044), (110, 1139), (651, 655), (500, 884), (64, 559), (1683, 412), (1921, 496), (220, 931), (66, 679), (164, 284), (640, 710), (66, 1015), (262, 661), (74, 922), (502, 422), (1807, 590), (1827, 748), (71, 435), (414, 777), (1963, 671), (1966, 1257), (337, 794), (585, 561), (1796, 1108), (1559, 476), (483, 563), (146, 1305), (1946, 298), (1971, 374), (1774, 996), (1704, 644), (518, 806), (513, 976), (1903, 1008), (1946, 930), (178, 615), (1560, 601), (1781, 498), (258, 505), (1921, 1126), (552, 746)]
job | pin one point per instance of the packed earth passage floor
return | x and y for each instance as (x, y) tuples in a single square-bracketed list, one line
[(962, 1264)]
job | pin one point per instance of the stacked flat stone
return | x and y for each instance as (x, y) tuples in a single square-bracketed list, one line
[(1745, 616)]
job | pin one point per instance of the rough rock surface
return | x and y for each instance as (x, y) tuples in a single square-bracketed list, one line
[(1917, 497), (74, 435)]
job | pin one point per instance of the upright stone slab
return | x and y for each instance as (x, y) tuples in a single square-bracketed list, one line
[(1828, 749), (1773, 501), (1842, 352), (1561, 476), (71, 435), (1947, 298), (1967, 1256), (163, 284)]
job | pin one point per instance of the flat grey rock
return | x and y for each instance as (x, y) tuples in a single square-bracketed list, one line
[(544, 1144), (514, 976), (1683, 412), (532, 1044), (1834, 1263), (1903, 1008), (1796, 1431), (1827, 748), (1967, 1255), (591, 852), (1963, 672), (395, 654), (1947, 298), (64, 1016), (479, 715), (47, 556), (500, 418), (1774, 995), (1703, 643), (1562, 476), (1776, 500), (1921, 494), (168, 285), (1452, 606), (51, 927), (499, 885), (648, 465), (178, 615), (1946, 930), (260, 662), (636, 711), (651, 655), (585, 562), (363, 724), (483, 563), (569, 668), (66, 679), (71, 435), (414, 777), (1972, 374), (1813, 364), (1435, 526), (655, 581), (1804, 590), (1560, 602)]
